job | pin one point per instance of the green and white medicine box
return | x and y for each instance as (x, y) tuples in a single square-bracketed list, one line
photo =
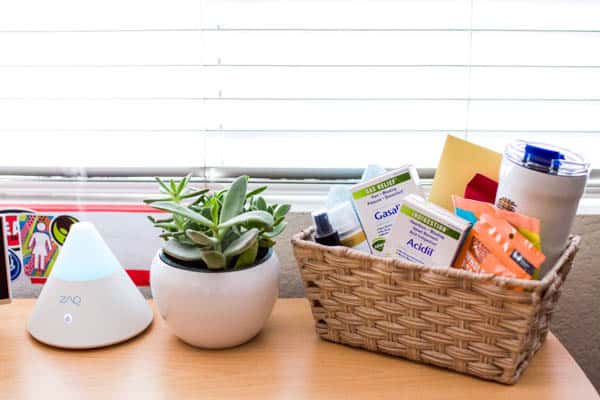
[(425, 233), (378, 200)]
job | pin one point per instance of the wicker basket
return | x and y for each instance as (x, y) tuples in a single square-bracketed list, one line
[(476, 324)]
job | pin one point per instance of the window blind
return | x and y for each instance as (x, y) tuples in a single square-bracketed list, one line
[(291, 85)]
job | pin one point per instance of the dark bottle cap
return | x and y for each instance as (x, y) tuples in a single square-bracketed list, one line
[(325, 234)]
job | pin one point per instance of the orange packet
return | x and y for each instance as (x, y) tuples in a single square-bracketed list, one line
[(527, 226), (495, 246)]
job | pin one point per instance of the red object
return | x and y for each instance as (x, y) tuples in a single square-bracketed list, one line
[(74, 207), (12, 231), (141, 277), (481, 188)]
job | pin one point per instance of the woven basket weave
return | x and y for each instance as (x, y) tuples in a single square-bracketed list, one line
[(477, 324)]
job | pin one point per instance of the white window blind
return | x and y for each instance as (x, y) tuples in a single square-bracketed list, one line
[(290, 84)]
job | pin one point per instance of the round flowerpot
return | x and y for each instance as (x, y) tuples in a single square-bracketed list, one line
[(213, 309)]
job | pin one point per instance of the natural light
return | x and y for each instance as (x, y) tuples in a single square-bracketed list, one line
[(288, 84)]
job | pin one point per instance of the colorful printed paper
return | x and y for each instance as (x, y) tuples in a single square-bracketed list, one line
[(41, 236), (459, 163), (36, 233)]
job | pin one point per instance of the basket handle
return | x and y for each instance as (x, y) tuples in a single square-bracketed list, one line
[(554, 279)]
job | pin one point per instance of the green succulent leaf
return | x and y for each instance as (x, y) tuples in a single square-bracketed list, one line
[(223, 229), (213, 259), (200, 199), (179, 235), (184, 212), (281, 210), (214, 210), (156, 220), (266, 242), (242, 243), (248, 257), (261, 204), (229, 237), (260, 217), (277, 229), (168, 226), (206, 213), (233, 202), (256, 191), (182, 251), (200, 238), (258, 225), (183, 183), (193, 193), (164, 187), (150, 201)]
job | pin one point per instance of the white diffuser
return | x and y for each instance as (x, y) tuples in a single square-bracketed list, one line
[(89, 300)]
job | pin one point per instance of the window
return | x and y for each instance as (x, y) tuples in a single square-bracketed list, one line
[(290, 87)]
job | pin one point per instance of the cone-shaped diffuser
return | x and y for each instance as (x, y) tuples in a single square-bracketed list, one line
[(88, 300)]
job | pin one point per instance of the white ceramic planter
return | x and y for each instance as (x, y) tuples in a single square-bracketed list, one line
[(215, 309)]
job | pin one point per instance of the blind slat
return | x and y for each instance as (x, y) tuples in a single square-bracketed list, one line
[(336, 14), (101, 82), (335, 115), (99, 114), (536, 48), (321, 149), (514, 115), (359, 82), (100, 48), (186, 149), (105, 14), (549, 83), (326, 82), (120, 149), (335, 48), (536, 14)]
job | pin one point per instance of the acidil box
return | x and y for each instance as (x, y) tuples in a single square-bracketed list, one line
[(378, 200), (425, 233)]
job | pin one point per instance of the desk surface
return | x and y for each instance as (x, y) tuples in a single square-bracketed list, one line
[(287, 360)]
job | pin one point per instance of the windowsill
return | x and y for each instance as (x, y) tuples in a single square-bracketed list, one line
[(589, 206), (305, 196), (316, 197)]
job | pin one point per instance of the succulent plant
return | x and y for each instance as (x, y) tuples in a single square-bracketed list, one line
[(221, 230)]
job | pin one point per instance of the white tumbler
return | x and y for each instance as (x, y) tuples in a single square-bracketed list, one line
[(545, 182)]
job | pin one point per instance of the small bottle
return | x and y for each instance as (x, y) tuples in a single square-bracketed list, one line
[(325, 234), (345, 221)]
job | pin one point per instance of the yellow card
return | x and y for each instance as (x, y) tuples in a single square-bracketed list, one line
[(460, 161)]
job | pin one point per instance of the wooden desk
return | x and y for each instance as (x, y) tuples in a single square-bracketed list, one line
[(286, 361)]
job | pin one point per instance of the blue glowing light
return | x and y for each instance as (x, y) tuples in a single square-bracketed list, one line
[(84, 256)]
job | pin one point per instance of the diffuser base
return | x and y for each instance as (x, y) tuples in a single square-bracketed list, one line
[(89, 314)]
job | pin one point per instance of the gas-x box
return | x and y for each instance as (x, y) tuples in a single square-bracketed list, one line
[(377, 202)]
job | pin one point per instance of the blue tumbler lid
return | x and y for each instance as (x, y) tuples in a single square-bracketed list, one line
[(546, 158), (542, 159)]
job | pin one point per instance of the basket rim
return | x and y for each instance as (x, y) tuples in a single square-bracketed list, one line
[(303, 239)]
